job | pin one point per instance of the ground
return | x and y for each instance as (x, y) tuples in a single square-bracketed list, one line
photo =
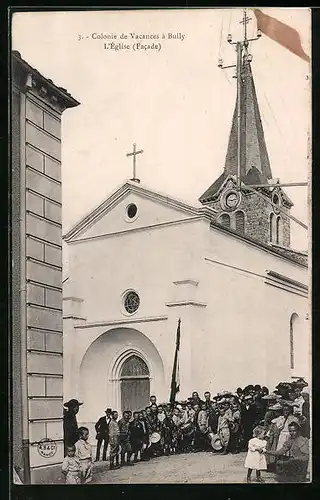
[(201, 467)]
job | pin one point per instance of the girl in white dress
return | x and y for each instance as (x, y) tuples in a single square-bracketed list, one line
[(255, 458)]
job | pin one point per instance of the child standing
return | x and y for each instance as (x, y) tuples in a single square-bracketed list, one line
[(223, 429), (71, 466), (255, 458), (114, 433), (84, 454)]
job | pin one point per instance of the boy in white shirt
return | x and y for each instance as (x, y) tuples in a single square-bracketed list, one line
[(85, 456), (71, 466)]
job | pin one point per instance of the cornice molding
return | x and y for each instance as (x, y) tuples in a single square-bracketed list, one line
[(29, 79), (74, 317), (186, 303), (186, 282), (285, 283), (287, 280), (136, 230), (286, 288), (120, 322), (75, 299)]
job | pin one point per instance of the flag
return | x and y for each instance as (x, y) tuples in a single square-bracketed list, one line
[(175, 380), (281, 33)]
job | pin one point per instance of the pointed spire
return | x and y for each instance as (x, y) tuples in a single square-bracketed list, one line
[(248, 161), (255, 165)]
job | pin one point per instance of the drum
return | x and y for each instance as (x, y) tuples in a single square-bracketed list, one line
[(215, 442), (155, 437), (234, 427)]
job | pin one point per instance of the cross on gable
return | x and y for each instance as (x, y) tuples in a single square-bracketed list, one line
[(134, 153)]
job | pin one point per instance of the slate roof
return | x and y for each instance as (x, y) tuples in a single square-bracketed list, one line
[(255, 164)]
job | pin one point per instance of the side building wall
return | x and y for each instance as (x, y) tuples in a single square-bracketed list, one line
[(16, 400), (44, 279), (37, 366)]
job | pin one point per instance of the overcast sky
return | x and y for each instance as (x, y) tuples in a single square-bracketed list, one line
[(176, 104)]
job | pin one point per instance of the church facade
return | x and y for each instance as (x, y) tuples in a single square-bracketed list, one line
[(141, 260), (243, 305)]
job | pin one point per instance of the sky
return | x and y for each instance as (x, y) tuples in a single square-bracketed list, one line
[(175, 103)]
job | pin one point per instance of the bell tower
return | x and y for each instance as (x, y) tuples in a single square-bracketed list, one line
[(246, 197)]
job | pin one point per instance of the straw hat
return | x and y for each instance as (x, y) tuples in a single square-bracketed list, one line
[(277, 406), (271, 397), (285, 402)]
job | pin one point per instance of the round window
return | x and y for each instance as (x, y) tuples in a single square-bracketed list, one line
[(131, 302), (132, 211)]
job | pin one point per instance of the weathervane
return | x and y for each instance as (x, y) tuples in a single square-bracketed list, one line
[(242, 51)]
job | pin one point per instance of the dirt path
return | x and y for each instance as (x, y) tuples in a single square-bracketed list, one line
[(202, 467)]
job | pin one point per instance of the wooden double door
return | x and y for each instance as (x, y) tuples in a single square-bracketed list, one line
[(135, 393), (135, 384)]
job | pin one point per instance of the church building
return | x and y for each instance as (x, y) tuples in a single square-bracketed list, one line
[(141, 260)]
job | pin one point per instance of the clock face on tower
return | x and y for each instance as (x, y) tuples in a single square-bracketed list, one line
[(230, 199)]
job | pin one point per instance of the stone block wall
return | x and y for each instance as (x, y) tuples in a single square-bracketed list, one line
[(44, 278), (257, 218), (16, 400), (37, 105)]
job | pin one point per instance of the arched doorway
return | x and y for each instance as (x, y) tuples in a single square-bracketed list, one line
[(106, 363), (134, 384)]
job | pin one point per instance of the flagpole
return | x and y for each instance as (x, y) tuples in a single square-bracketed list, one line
[(174, 388)]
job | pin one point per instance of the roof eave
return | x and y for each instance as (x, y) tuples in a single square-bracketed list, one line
[(65, 97), (258, 243)]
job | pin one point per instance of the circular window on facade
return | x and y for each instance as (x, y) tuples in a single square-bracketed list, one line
[(131, 302), (132, 210)]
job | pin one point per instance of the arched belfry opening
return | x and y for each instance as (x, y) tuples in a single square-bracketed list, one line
[(134, 384)]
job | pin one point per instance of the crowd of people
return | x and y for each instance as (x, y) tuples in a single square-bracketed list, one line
[(225, 423)]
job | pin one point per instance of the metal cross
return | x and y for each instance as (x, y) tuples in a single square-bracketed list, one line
[(245, 21), (134, 154)]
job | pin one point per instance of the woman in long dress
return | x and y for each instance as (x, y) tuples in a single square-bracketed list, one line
[(288, 418), (224, 428), (273, 432)]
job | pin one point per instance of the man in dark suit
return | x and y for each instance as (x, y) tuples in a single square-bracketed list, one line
[(70, 425), (102, 430), (249, 419), (137, 434), (195, 400)]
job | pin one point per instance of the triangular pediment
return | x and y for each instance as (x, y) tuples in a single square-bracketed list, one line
[(111, 216)]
